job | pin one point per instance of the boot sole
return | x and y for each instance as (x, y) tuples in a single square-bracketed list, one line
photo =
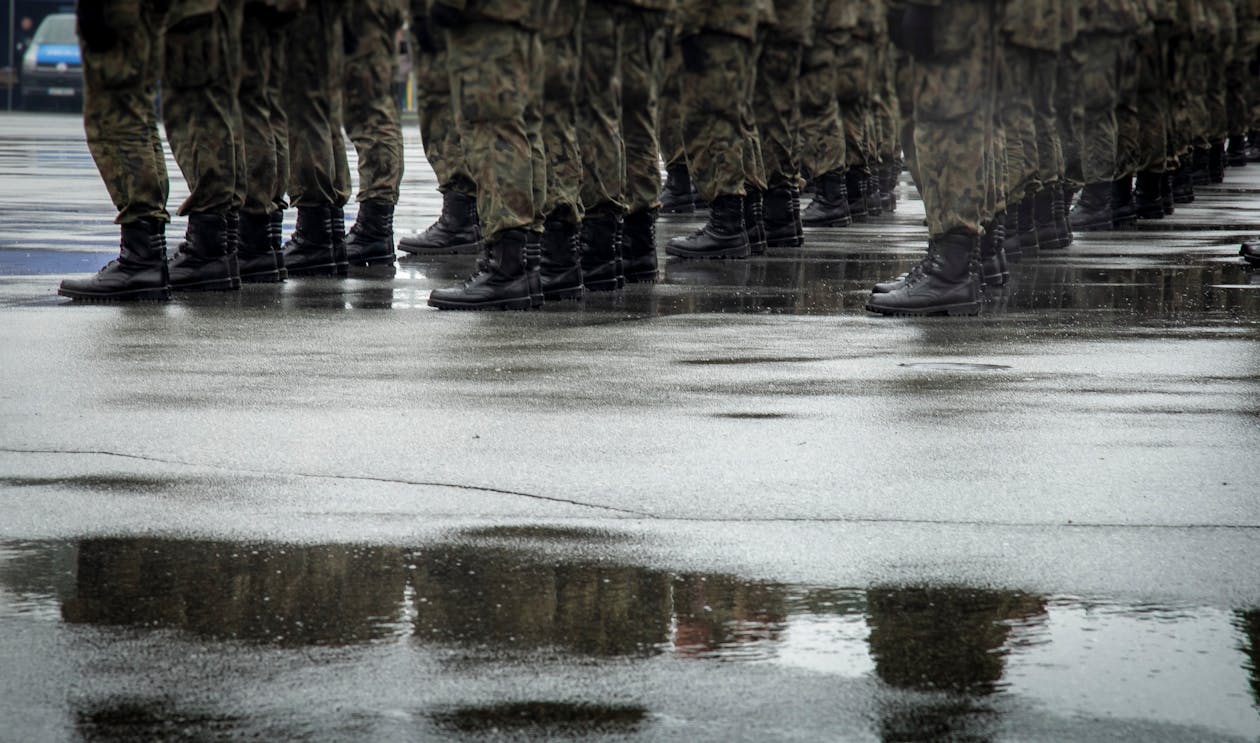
[(262, 277), (729, 253), (643, 278), (846, 222), (572, 294), (369, 262), (953, 310), (214, 285), (608, 285), (470, 248), (794, 242), (137, 295), (328, 270), (523, 303)]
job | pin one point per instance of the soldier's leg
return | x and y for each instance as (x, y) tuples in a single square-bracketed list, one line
[(561, 270), (1018, 121), (642, 65), (373, 123), (853, 94), (1154, 114), (678, 195), (823, 147), (777, 106), (491, 79), (1129, 125), (122, 47), (278, 37), (713, 131), (341, 161), (310, 79), (257, 257), (1051, 214), (754, 165), (953, 112), (1099, 92), (197, 105), (887, 127)]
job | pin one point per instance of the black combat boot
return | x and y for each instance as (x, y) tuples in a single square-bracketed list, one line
[(1216, 162), (1026, 224), (139, 273), (755, 221), (533, 268), (870, 190), (371, 238), (560, 270), (309, 251), (1011, 246), (888, 175), (1148, 201), (1253, 146), (457, 230), (255, 257), (202, 263), (724, 236), (782, 216), (830, 207), (855, 187), (679, 195), (337, 231), (600, 239), (234, 245), (1250, 251), (275, 230), (993, 267), (1092, 212), (946, 281), (1200, 175), (1236, 154), (1047, 232), (501, 283), (638, 247), (1123, 209), (1182, 186)]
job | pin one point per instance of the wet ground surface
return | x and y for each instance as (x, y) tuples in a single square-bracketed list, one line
[(730, 506)]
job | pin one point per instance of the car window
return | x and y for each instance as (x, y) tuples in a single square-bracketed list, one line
[(57, 29)]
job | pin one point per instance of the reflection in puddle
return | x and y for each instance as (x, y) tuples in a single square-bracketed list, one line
[(946, 661)]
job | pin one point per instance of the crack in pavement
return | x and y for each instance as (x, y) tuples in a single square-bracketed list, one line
[(628, 511)]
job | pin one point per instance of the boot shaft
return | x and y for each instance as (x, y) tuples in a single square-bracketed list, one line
[(206, 236), (726, 216)]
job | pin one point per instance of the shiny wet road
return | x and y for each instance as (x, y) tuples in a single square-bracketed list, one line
[(732, 506)]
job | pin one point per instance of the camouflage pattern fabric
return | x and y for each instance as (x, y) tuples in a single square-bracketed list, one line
[(1017, 116), (669, 120), (491, 68), (438, 134), (199, 103), (318, 172), (712, 125), (885, 107), (954, 91), (261, 68), (1097, 58), (822, 130), (1129, 115), (642, 67), (777, 106), (1219, 52), (561, 41), (854, 61), (754, 166), (119, 119), (600, 110), (372, 118), (1045, 117)]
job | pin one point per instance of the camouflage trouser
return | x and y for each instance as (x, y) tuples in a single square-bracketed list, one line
[(1045, 118), (200, 104), (954, 92), (119, 119), (1219, 54), (1154, 101), (599, 109), (372, 117), (319, 173), (263, 118), (903, 80), (642, 66), (714, 120), (822, 130), (1241, 78), (1016, 114), (884, 104), (1070, 114), (754, 167), (777, 106), (561, 41), (669, 124), (496, 80), (1191, 77), (1129, 122), (1097, 56), (855, 63)]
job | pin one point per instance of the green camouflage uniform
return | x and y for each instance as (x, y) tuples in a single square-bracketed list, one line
[(119, 87), (497, 77), (372, 118), (822, 129), (1190, 77), (319, 173), (1067, 103), (1030, 43), (715, 120), (263, 118), (599, 110), (1219, 52), (1153, 86), (954, 96), (1130, 118), (1103, 36), (438, 134), (885, 108), (1242, 84), (776, 100), (642, 68), (200, 102), (669, 119), (561, 44)]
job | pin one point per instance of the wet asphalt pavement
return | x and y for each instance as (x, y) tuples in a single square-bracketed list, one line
[(732, 506)]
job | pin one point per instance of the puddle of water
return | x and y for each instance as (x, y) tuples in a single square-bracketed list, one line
[(954, 366), (486, 607)]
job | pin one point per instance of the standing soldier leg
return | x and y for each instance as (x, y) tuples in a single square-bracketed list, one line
[(197, 102), (257, 259), (853, 96), (1052, 234), (679, 194), (888, 141), (954, 51), (754, 165), (642, 66), (373, 123), (561, 267), (777, 106), (336, 135), (491, 67), (823, 152), (308, 95), (122, 46), (278, 38), (1099, 92)]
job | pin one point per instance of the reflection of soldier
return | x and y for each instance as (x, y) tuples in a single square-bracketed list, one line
[(283, 594), (941, 640), (479, 597), (713, 612)]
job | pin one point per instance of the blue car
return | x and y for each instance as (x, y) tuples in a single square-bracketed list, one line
[(52, 69)]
